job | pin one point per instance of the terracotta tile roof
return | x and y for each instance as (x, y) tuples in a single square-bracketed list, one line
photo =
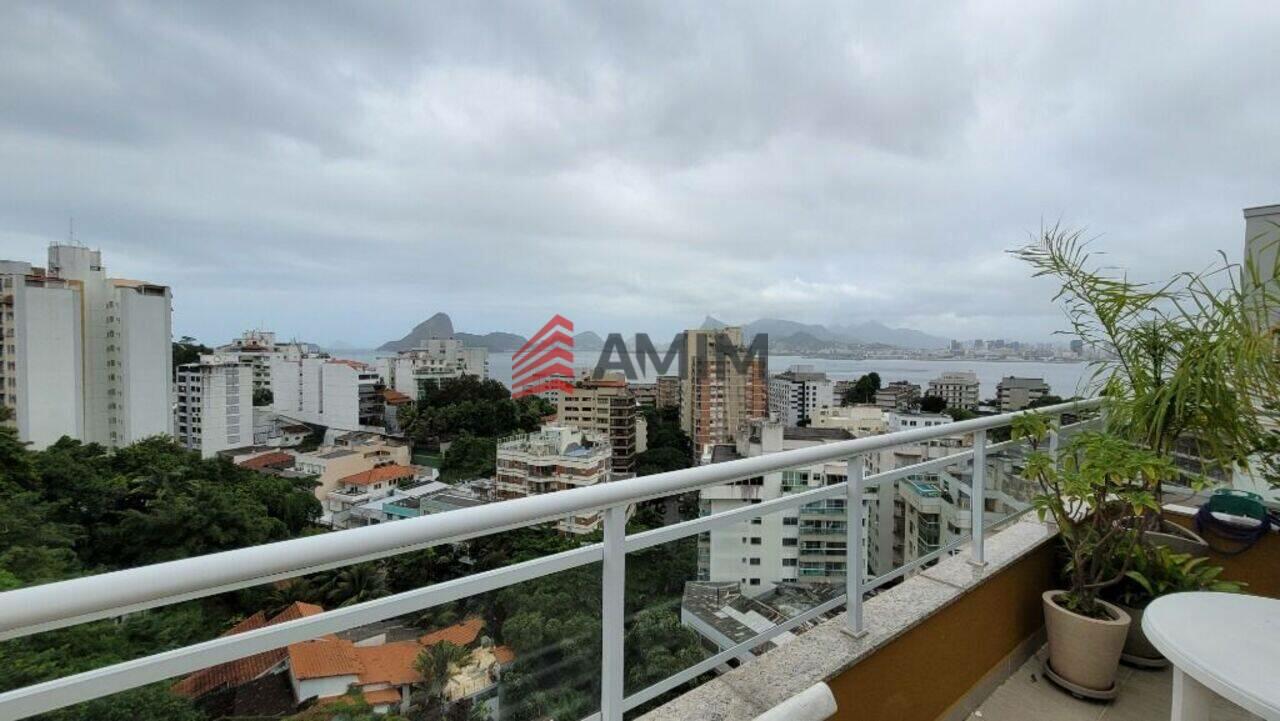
[(504, 654), (243, 670), (351, 363), (388, 472), (324, 657), (381, 696), (390, 663), (395, 397), (463, 634), (268, 460)]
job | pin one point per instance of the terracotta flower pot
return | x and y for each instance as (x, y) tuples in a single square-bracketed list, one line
[(1085, 651)]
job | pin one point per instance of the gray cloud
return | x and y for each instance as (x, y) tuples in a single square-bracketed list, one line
[(341, 172)]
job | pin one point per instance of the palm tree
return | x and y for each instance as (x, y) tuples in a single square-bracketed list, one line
[(289, 592), (356, 584), (436, 663)]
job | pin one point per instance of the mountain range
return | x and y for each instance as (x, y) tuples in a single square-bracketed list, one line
[(783, 335)]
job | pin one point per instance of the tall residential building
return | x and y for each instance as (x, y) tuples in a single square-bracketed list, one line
[(807, 545), (646, 394), (432, 361), (257, 348), (607, 407), (720, 393), (1015, 394), (898, 396), (341, 394), (84, 355), (797, 393), (553, 459), (668, 391), (958, 388), (215, 406)]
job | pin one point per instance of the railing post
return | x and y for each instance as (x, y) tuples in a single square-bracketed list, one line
[(1054, 425), (855, 557), (613, 587), (978, 500)]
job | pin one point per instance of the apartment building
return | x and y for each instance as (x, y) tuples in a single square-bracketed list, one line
[(553, 459), (806, 545), (899, 396), (723, 388), (860, 420), (341, 394), (215, 406), (84, 355), (256, 348), (605, 406), (432, 362), (796, 394), (668, 391), (958, 388), (646, 394), (344, 506), (1015, 394)]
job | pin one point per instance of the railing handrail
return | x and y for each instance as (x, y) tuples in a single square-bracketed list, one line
[(63, 603)]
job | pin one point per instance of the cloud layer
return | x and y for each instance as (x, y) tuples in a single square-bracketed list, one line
[(339, 172)]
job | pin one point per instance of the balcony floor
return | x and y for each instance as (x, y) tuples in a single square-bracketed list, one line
[(1144, 696)]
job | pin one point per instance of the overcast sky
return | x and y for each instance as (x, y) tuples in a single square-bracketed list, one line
[(340, 173)]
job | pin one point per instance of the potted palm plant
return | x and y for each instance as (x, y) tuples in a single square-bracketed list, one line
[(1095, 481), (1186, 365), (1154, 571)]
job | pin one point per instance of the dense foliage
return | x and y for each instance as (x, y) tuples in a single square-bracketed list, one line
[(188, 350), (469, 406), (668, 446), (863, 390), (75, 509)]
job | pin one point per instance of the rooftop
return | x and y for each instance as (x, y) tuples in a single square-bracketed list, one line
[(379, 474)]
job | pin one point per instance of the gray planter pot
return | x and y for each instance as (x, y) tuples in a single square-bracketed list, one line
[(1178, 539), (1138, 651)]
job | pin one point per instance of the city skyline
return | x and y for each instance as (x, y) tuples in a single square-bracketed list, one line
[(504, 163)]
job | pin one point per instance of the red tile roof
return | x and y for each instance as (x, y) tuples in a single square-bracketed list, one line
[(324, 657), (243, 670), (389, 472), (462, 634), (390, 663), (504, 654), (395, 397), (275, 459)]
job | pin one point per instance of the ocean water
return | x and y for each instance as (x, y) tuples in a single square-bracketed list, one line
[(1064, 379)]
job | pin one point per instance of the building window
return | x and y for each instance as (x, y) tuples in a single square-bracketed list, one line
[(790, 541), (788, 562), (790, 520), (755, 540), (754, 562), (755, 582)]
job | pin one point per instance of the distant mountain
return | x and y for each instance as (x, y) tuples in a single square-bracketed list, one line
[(874, 332), (437, 326), (496, 342), (798, 342), (868, 333), (588, 340)]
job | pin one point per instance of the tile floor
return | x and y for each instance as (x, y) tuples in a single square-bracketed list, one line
[(1144, 696)]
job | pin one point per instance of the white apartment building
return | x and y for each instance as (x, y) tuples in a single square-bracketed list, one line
[(1015, 394), (860, 420), (215, 406), (339, 394), (84, 355), (806, 545), (257, 348), (796, 394), (432, 361), (958, 388), (553, 459)]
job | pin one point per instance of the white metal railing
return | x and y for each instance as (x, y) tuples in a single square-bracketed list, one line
[(55, 605)]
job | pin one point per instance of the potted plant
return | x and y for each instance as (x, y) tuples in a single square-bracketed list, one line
[(1154, 571), (1095, 481), (1186, 365)]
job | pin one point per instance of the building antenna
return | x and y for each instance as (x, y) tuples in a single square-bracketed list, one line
[(71, 228)]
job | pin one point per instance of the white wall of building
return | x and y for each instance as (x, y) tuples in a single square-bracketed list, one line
[(47, 376)]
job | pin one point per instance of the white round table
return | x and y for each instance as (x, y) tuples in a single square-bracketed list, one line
[(1223, 643)]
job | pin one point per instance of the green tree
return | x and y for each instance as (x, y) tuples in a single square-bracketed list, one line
[(356, 584), (188, 350), (437, 664), (932, 404), (469, 457), (863, 390), (960, 414), (262, 397)]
